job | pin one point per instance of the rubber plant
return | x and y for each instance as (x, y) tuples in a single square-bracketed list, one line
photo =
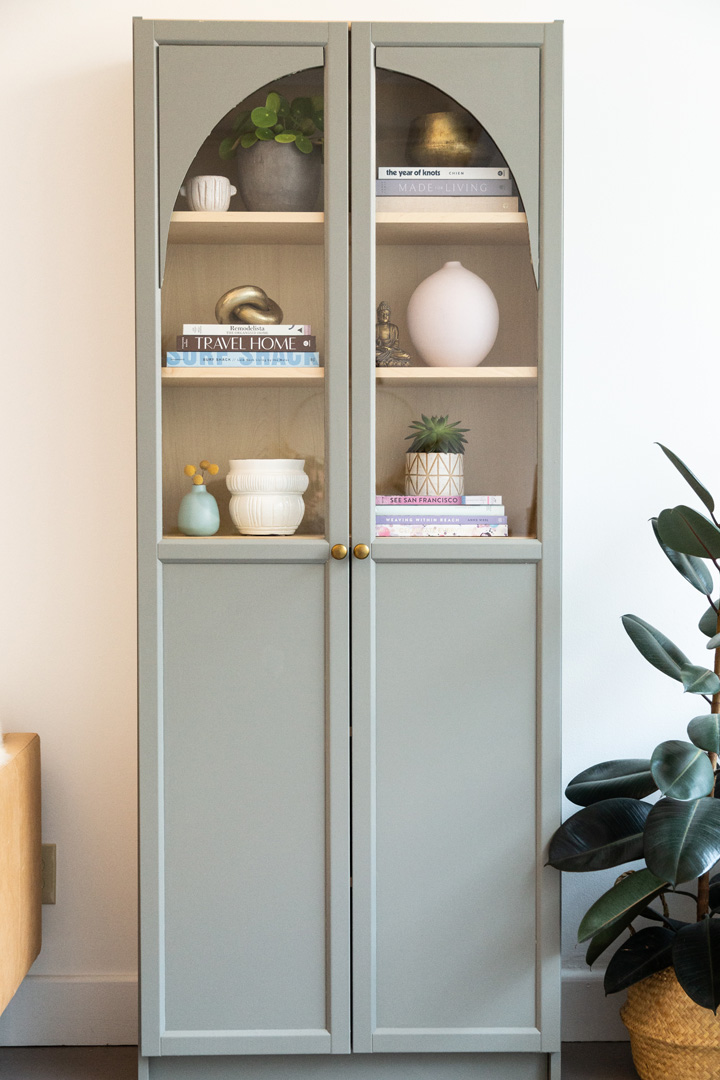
[(677, 835)]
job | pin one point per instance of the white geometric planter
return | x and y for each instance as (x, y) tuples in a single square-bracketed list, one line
[(434, 474), (267, 495)]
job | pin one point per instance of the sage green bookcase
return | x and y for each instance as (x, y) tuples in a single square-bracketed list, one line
[(349, 746)]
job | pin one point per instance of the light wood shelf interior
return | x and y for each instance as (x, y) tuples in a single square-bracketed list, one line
[(243, 227), (409, 376)]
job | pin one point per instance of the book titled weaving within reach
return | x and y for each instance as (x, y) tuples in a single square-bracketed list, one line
[(243, 359), (440, 519)]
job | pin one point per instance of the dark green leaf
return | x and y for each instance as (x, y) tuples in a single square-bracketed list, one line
[(301, 107), (715, 891), (303, 144), (605, 834), (248, 139), (708, 624), (647, 951), (696, 958), (705, 732), (682, 839), (681, 770), (621, 904), (264, 134), (628, 777), (655, 647), (699, 680), (263, 117), (702, 493), (655, 916), (319, 119), (684, 530), (714, 642), (272, 103), (692, 569)]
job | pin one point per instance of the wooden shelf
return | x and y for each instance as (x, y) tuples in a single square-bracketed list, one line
[(451, 227), (448, 227), (176, 376), (232, 227), (476, 376)]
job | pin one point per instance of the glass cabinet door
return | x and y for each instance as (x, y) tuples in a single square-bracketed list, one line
[(449, 365)]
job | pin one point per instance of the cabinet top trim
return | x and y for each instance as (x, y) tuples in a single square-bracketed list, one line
[(201, 32)]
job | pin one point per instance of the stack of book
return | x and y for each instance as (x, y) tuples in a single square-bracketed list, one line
[(244, 345), (408, 189), (440, 515)]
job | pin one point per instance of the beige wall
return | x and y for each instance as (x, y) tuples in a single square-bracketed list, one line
[(642, 232)]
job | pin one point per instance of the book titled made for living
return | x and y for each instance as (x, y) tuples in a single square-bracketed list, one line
[(243, 359)]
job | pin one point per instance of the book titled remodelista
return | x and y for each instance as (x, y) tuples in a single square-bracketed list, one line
[(439, 500), (246, 328), (460, 511), (243, 359)]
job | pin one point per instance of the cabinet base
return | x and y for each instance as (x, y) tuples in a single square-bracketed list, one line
[(351, 1066)]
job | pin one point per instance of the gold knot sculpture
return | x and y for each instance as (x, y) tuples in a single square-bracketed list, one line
[(247, 304), (387, 340)]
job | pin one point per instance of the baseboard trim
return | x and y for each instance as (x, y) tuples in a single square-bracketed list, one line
[(587, 1014), (73, 1010)]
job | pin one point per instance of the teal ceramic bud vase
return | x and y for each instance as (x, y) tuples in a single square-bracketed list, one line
[(198, 514)]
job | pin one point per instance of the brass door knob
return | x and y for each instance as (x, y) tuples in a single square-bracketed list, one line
[(361, 551), (338, 551)]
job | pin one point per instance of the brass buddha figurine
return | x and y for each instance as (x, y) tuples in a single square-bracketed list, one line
[(387, 340)]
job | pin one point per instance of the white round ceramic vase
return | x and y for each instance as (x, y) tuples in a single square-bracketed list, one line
[(266, 495), (453, 318)]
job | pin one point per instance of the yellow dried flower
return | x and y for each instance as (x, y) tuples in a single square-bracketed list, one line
[(197, 479), (189, 470), (204, 464), (213, 469)]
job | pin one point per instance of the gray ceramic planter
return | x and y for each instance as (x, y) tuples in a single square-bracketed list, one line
[(277, 176)]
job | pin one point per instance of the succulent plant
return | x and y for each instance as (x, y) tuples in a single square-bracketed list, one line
[(299, 121), (436, 436)]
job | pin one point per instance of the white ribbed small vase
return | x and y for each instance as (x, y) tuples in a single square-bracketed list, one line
[(208, 192), (434, 474), (266, 495)]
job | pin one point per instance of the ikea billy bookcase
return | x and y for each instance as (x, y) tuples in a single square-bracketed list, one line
[(349, 766)]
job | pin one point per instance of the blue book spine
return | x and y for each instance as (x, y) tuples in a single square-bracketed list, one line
[(243, 359)]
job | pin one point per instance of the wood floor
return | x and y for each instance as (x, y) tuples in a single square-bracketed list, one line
[(581, 1061)]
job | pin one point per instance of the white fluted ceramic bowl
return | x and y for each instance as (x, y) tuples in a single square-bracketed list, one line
[(266, 495)]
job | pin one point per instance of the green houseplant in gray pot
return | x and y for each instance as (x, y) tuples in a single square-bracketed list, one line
[(278, 150), (670, 967)]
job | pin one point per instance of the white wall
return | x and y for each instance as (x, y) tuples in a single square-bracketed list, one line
[(641, 361)]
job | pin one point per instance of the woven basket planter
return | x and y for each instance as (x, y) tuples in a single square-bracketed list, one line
[(672, 1038)]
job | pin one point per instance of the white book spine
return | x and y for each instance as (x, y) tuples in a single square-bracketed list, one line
[(199, 329), (443, 172)]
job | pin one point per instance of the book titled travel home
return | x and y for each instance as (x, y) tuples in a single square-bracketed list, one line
[(438, 500), (443, 187), (246, 328), (440, 519), (441, 530), (443, 172), (243, 359), (245, 343)]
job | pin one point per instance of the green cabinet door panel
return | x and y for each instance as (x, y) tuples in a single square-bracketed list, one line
[(244, 809)]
